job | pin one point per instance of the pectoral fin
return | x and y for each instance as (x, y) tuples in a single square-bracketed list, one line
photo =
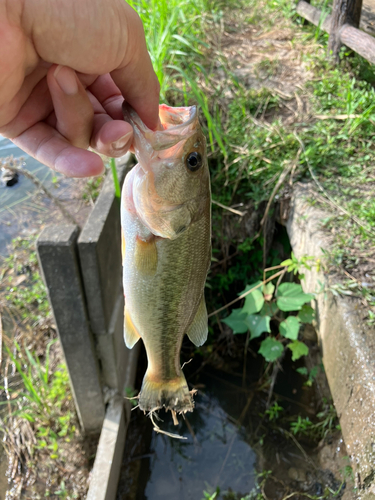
[(198, 330), (131, 335), (146, 256)]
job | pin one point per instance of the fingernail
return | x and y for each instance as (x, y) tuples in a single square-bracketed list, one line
[(67, 80), (122, 142)]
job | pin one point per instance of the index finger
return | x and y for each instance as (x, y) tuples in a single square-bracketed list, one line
[(136, 77)]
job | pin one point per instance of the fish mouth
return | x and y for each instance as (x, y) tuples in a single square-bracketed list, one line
[(176, 125), (163, 213)]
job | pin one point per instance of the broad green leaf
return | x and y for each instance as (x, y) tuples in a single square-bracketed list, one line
[(306, 314), (290, 328), (268, 290), (269, 309), (298, 349), (271, 349), (253, 302), (258, 325), (237, 321), (252, 285), (290, 297)]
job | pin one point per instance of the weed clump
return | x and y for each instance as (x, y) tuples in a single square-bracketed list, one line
[(38, 423)]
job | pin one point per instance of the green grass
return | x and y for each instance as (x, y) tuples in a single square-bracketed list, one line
[(28, 299), (44, 400), (115, 178), (178, 36), (38, 422), (174, 33), (249, 146)]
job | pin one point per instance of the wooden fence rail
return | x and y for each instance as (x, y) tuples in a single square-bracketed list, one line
[(342, 26)]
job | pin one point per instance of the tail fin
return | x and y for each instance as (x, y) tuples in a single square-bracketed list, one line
[(171, 394)]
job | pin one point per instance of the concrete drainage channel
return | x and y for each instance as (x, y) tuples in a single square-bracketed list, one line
[(348, 350), (82, 270)]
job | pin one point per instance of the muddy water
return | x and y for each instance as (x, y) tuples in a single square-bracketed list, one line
[(229, 444)]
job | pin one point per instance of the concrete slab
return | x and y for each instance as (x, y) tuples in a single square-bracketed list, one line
[(348, 350), (99, 248), (107, 465), (57, 253)]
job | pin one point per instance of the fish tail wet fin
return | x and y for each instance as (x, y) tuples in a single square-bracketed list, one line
[(170, 394)]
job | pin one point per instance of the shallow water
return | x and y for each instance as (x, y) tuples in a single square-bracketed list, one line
[(10, 196), (25, 210), (215, 454), (12, 223), (228, 444)]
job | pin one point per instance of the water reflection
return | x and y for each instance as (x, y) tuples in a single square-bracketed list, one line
[(24, 209), (11, 198), (215, 454)]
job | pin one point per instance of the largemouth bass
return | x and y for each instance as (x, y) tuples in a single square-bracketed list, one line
[(166, 230)]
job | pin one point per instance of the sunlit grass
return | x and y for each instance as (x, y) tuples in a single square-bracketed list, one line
[(174, 33)]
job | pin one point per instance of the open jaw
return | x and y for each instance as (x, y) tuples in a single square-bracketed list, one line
[(176, 124)]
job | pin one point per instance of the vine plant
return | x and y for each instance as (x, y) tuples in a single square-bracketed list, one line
[(285, 304)]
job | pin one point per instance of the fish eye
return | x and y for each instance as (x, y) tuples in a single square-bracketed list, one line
[(194, 161)]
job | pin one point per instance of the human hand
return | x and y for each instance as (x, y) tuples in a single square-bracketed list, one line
[(65, 68)]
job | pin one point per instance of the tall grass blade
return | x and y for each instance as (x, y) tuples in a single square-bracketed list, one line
[(115, 178), (26, 380)]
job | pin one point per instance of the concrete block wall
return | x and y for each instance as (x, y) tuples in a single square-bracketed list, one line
[(99, 247), (348, 347), (82, 272), (57, 252)]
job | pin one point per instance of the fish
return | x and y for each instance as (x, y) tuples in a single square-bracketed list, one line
[(166, 250)]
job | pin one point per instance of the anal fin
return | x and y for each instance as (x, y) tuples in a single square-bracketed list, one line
[(131, 336), (198, 330)]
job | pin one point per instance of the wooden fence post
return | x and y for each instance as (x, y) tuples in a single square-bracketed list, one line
[(343, 12)]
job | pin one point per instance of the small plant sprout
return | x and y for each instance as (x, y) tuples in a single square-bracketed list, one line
[(274, 411)]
